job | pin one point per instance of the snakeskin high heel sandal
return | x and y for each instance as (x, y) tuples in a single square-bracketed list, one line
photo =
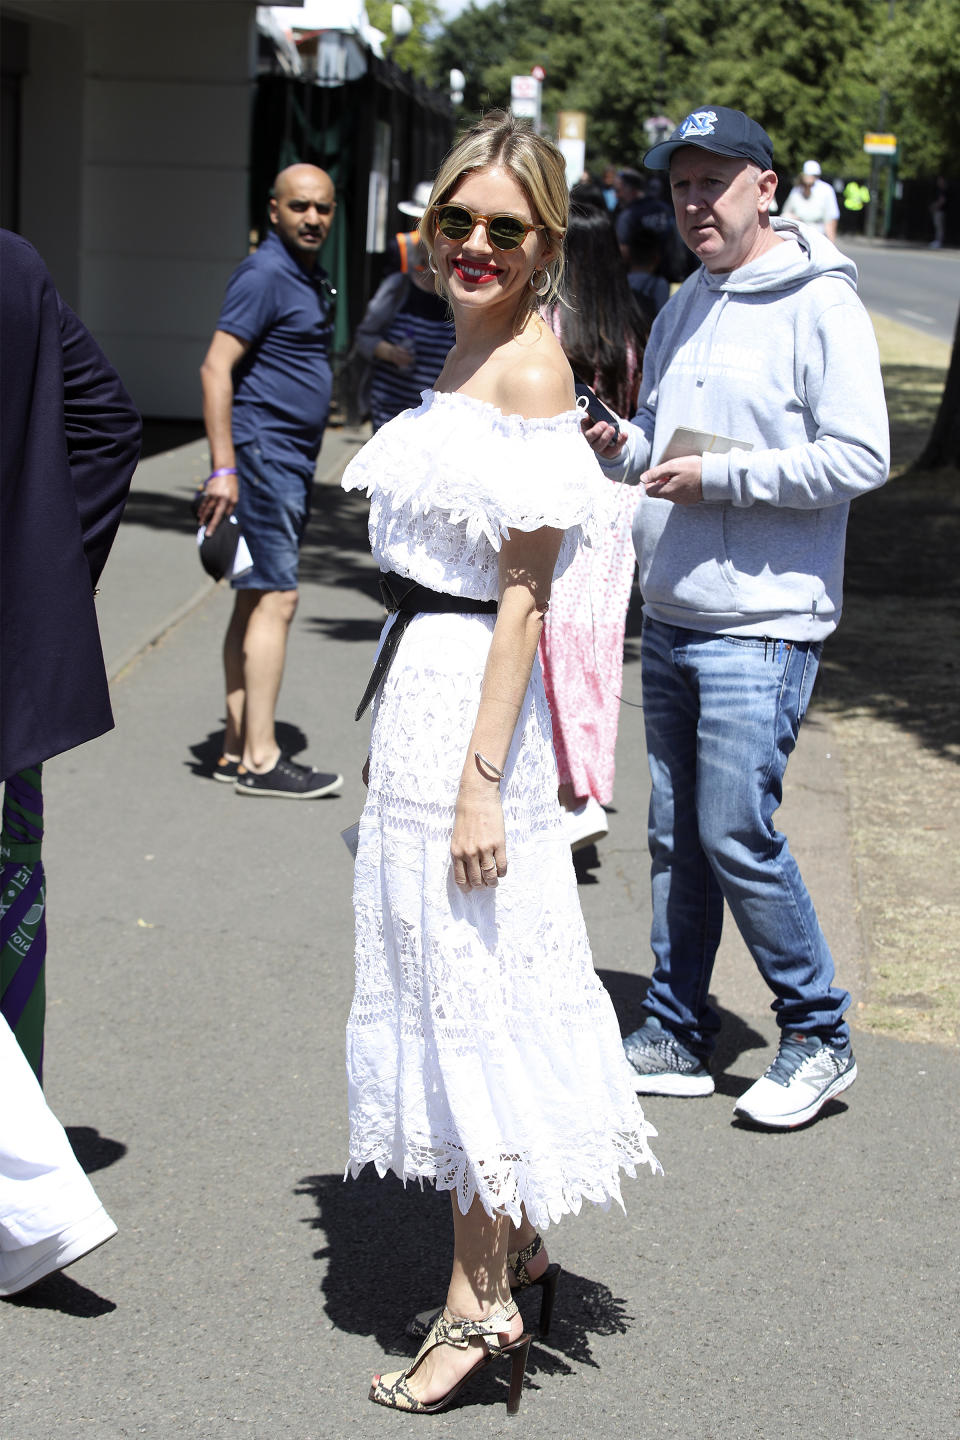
[(394, 1391), (517, 1262), (519, 1280)]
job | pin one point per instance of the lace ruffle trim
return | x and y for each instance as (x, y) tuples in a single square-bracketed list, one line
[(463, 460), (512, 1187)]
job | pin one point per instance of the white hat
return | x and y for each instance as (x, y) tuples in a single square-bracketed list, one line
[(811, 167), (420, 201)]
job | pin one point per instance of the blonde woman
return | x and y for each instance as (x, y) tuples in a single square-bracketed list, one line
[(482, 1052)]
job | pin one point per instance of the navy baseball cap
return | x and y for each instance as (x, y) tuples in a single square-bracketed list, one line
[(725, 132)]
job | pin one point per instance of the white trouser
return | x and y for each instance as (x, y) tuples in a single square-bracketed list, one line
[(42, 1187)]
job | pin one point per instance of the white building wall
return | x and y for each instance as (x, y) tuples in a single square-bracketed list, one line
[(158, 143)]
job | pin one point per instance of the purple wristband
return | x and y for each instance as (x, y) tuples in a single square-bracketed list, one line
[(224, 470)]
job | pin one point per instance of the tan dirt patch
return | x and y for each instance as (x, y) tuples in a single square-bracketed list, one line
[(891, 686)]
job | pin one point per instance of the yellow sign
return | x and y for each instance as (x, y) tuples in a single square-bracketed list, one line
[(880, 144), (572, 125)]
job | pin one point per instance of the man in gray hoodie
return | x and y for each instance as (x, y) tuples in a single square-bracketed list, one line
[(761, 415)]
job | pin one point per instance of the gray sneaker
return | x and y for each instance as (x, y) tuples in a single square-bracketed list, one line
[(805, 1075), (663, 1066)]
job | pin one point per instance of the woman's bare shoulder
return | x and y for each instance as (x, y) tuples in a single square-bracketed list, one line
[(537, 381)]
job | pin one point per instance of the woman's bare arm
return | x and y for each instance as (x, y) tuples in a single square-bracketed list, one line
[(527, 563)]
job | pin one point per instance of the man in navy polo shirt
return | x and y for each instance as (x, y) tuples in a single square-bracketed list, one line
[(266, 394)]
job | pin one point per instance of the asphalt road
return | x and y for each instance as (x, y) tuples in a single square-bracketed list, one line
[(916, 286), (768, 1287)]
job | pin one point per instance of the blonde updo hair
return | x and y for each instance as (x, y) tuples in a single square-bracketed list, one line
[(502, 141)]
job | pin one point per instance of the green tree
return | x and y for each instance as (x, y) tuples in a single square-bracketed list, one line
[(920, 73), (804, 68), (943, 447), (486, 43), (414, 52), (816, 73)]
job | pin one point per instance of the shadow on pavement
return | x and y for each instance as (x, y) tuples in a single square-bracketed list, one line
[(60, 1292), (736, 1037), (205, 754), (335, 549), (291, 739), (387, 1256), (831, 1111), (93, 1150), (585, 862), (159, 510), (903, 539), (331, 627), (162, 435)]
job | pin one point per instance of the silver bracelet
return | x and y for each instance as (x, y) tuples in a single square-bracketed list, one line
[(489, 764)]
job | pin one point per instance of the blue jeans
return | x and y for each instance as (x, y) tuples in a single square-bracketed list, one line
[(272, 511), (722, 715)]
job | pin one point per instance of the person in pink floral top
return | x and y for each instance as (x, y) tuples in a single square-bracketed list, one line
[(602, 332)]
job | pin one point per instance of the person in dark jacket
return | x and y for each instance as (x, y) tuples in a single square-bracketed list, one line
[(69, 443)]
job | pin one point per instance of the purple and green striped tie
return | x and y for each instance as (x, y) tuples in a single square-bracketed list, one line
[(23, 930)]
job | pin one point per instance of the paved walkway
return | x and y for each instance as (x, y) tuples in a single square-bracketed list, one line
[(200, 973)]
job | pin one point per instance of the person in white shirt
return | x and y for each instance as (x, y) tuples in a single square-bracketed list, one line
[(813, 202), (50, 1214)]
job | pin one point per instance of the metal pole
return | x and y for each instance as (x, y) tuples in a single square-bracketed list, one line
[(891, 191), (661, 103), (873, 209), (872, 206)]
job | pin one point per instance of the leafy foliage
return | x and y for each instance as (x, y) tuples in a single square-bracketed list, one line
[(803, 69), (486, 43), (414, 51), (921, 52), (816, 73)]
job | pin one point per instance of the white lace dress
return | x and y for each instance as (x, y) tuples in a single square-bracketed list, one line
[(483, 1053)]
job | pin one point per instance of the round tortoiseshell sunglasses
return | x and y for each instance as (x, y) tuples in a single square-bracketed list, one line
[(457, 222)]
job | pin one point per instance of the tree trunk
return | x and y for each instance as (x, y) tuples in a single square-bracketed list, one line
[(943, 447)]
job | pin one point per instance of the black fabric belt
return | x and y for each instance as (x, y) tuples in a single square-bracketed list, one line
[(405, 598)]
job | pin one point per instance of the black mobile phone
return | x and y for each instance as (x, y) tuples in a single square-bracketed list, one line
[(589, 401)]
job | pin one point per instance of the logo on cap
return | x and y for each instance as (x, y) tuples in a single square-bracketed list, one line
[(701, 122)]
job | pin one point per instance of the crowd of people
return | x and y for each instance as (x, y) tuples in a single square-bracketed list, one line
[(743, 414)]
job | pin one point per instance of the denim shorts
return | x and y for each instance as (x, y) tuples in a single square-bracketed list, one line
[(272, 511)]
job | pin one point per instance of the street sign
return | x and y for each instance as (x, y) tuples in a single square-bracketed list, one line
[(539, 73), (571, 125), (657, 128), (524, 87), (571, 142), (525, 98), (880, 144)]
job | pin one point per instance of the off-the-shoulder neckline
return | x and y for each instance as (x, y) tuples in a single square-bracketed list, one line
[(480, 405)]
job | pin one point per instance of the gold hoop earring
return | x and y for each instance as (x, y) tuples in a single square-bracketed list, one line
[(540, 287)]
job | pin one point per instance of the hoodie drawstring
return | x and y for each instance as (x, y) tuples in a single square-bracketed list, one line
[(708, 349)]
